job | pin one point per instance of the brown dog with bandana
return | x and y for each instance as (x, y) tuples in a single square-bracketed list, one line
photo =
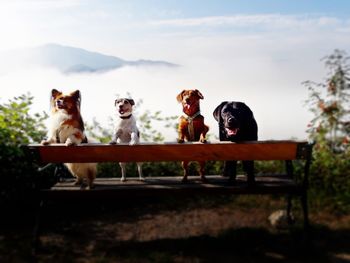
[(191, 125)]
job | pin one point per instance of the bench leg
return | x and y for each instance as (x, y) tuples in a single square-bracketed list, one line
[(289, 210), (304, 205), (36, 230)]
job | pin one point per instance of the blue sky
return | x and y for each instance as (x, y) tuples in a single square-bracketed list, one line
[(257, 51), (100, 24), (198, 8)]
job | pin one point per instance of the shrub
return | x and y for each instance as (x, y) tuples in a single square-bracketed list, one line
[(330, 129), (18, 127)]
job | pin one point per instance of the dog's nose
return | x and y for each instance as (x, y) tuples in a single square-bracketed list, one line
[(231, 120), (59, 102)]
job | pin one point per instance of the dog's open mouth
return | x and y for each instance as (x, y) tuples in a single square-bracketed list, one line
[(187, 106), (231, 131)]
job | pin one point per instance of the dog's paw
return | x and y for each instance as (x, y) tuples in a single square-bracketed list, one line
[(123, 179), (69, 142), (180, 140), (204, 179), (202, 140), (184, 180), (45, 142), (89, 187), (132, 143), (78, 182), (112, 142)]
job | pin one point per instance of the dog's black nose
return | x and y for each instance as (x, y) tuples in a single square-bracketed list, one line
[(231, 120), (59, 102)]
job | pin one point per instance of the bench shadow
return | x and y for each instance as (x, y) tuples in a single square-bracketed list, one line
[(74, 235), (233, 245)]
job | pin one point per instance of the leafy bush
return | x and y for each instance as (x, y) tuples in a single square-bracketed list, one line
[(17, 127), (330, 129)]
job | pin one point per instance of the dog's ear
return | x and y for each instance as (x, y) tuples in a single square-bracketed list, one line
[(131, 101), (77, 97), (55, 93), (217, 111), (180, 96), (199, 94)]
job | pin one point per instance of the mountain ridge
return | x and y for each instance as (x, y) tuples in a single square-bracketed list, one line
[(74, 60)]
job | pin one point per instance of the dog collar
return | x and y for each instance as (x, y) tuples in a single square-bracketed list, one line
[(191, 118), (190, 124), (125, 117)]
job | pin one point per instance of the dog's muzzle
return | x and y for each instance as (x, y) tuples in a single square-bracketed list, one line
[(231, 126)]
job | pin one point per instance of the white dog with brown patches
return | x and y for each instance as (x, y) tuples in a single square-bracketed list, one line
[(67, 127), (126, 130)]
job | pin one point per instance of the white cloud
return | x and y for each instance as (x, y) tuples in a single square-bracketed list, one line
[(40, 4), (264, 20)]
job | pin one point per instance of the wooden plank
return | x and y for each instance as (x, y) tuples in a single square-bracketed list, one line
[(160, 186), (152, 152)]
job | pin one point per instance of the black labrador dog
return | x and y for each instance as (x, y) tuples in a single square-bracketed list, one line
[(236, 124)]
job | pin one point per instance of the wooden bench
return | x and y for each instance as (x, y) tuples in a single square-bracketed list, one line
[(284, 183)]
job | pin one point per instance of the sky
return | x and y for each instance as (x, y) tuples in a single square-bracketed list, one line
[(258, 52)]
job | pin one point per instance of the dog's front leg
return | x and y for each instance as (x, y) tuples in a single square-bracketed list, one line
[(203, 135), (75, 137), (181, 132), (181, 138), (134, 138), (51, 138), (115, 136)]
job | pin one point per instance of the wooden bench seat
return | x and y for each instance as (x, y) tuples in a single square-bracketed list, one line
[(153, 186)]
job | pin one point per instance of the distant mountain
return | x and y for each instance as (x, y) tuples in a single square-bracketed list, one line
[(70, 60)]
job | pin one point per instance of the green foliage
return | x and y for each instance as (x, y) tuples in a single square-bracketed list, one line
[(150, 134), (330, 129), (17, 127), (97, 131)]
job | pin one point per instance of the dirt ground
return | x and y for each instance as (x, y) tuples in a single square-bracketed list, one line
[(202, 229)]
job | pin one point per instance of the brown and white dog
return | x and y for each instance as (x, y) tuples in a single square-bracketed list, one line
[(126, 130), (67, 127), (191, 124)]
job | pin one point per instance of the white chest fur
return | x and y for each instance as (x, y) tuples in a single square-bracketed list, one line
[(58, 130), (126, 131)]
